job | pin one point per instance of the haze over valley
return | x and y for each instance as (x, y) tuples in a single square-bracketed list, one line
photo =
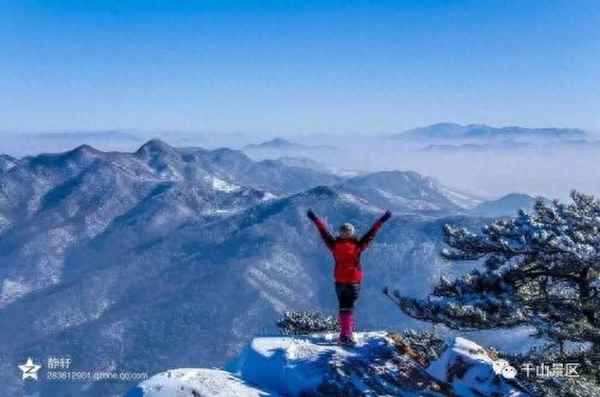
[(534, 161)]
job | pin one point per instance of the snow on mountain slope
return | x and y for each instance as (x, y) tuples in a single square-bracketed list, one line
[(462, 199), (408, 192), (508, 205), (51, 203), (269, 175), (214, 283), (313, 365), (6, 162)]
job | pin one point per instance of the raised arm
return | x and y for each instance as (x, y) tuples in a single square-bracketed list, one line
[(370, 235), (325, 235)]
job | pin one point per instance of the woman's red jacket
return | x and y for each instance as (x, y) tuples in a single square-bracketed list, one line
[(347, 252)]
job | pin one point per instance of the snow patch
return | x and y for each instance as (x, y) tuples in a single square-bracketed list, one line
[(292, 366), (194, 382), (12, 290), (421, 205), (352, 199), (268, 196), (461, 199), (221, 185), (212, 211)]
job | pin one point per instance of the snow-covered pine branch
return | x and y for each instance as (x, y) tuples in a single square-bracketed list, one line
[(540, 268)]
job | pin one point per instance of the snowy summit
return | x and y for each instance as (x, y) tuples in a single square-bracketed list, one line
[(382, 364)]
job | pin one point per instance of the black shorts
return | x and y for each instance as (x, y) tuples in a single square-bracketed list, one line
[(347, 295)]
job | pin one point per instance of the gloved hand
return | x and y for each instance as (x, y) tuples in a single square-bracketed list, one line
[(386, 216), (311, 215)]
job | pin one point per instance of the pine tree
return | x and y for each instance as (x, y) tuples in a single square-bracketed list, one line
[(540, 269), (299, 323)]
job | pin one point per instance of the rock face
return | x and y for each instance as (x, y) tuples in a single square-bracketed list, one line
[(313, 365)]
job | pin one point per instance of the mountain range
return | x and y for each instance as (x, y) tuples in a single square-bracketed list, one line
[(473, 134), (176, 257)]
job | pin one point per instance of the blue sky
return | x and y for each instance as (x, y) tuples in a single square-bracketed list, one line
[(297, 66)]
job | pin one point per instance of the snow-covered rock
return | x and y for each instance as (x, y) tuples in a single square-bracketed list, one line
[(472, 372), (313, 365), (195, 382)]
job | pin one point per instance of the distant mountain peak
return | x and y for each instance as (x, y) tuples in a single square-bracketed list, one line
[(391, 177), (279, 142), (86, 149), (320, 193), (155, 145), (284, 144), (446, 125), (223, 153), (507, 205), (80, 154), (326, 191), (275, 143)]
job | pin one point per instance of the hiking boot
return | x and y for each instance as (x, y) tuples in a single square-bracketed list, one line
[(346, 341)]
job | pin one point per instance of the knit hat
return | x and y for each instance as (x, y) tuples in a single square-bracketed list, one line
[(348, 228)]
